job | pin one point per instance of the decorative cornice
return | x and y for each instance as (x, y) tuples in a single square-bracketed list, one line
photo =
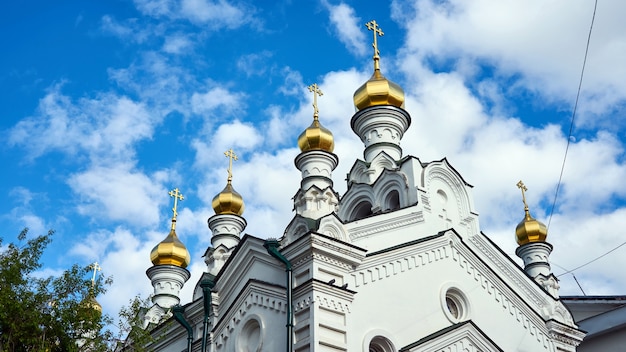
[(387, 224), (565, 334)]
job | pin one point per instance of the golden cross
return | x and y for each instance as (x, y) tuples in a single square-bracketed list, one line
[(316, 91), (230, 154), (373, 26), (96, 267), (177, 196), (521, 186)]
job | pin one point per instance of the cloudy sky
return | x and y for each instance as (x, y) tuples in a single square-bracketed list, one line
[(108, 105)]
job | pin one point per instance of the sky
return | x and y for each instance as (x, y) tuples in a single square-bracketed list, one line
[(108, 105)]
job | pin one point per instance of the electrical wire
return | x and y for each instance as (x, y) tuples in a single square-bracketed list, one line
[(571, 126), (593, 260)]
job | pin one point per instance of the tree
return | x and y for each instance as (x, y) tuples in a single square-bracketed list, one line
[(52, 313), (133, 335)]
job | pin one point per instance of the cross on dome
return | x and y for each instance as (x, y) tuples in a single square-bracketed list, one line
[(177, 196), (373, 26), (96, 267), (316, 92), (523, 187), (230, 154)]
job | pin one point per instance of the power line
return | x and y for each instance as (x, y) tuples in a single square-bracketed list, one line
[(571, 126), (593, 260)]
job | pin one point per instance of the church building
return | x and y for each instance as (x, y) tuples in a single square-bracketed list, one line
[(396, 263)]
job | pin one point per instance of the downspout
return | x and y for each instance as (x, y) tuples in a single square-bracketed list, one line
[(206, 285), (272, 248), (179, 315)]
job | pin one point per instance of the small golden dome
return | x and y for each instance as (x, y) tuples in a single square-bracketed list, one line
[(378, 90), (316, 137), (91, 305), (228, 201), (170, 251), (530, 230)]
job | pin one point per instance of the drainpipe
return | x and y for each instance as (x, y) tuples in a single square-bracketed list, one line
[(207, 285), (179, 315), (272, 248)]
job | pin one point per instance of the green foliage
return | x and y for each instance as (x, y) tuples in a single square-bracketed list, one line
[(134, 336), (48, 313)]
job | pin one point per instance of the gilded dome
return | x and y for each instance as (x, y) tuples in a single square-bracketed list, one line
[(170, 251), (92, 303), (530, 230), (228, 201), (91, 306), (316, 137), (378, 90)]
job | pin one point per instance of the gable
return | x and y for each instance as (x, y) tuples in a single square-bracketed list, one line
[(465, 336)]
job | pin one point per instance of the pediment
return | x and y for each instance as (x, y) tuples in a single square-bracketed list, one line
[(297, 227), (464, 336)]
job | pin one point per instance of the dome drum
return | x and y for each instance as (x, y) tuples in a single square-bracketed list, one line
[(167, 281), (381, 125), (316, 167), (226, 229), (535, 256)]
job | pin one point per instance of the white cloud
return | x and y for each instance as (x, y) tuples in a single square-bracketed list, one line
[(216, 98), (177, 44), (128, 30), (348, 27), (539, 45), (255, 64), (212, 14), (104, 128), (118, 193)]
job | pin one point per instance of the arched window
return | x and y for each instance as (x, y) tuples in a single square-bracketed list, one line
[(361, 210), (392, 201)]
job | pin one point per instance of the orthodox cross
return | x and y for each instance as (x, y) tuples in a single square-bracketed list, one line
[(177, 196), (316, 91), (521, 186), (230, 154), (96, 267), (373, 26)]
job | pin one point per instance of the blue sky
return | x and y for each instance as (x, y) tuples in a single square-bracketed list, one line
[(106, 106)]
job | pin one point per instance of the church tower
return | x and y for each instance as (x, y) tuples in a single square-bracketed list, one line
[(227, 223), (316, 197), (534, 250), (168, 274), (381, 120)]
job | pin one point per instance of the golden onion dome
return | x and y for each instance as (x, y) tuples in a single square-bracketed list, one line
[(378, 90), (530, 230), (170, 251), (316, 137), (228, 201), (91, 305)]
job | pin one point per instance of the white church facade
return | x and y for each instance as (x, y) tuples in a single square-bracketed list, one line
[(396, 263)]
